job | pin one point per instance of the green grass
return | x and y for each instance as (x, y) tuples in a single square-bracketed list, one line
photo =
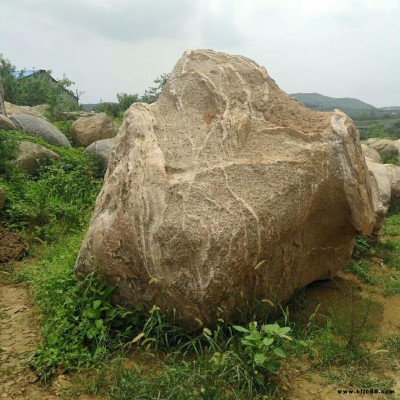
[(361, 269), (56, 201)]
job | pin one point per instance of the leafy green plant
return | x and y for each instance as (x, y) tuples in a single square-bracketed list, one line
[(263, 348)]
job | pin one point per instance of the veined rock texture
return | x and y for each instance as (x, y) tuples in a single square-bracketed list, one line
[(222, 172)]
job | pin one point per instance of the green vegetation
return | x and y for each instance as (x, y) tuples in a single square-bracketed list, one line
[(136, 353), (125, 100), (38, 90)]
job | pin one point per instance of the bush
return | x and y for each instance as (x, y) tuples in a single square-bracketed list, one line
[(58, 200)]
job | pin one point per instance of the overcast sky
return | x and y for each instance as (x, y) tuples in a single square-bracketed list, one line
[(339, 48)]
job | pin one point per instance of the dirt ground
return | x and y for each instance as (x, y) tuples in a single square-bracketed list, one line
[(19, 336), (341, 293)]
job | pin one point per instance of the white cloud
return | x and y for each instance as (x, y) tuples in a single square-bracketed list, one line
[(339, 48)]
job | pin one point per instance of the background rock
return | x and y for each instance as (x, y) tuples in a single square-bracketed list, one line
[(31, 156), (6, 123), (101, 149), (87, 130), (223, 172), (371, 153), (385, 148), (381, 194), (37, 111), (36, 126)]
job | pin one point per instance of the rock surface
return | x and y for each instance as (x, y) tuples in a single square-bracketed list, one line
[(371, 153), (39, 127), (101, 149), (36, 111), (32, 156), (381, 194), (222, 173), (87, 130), (6, 123)]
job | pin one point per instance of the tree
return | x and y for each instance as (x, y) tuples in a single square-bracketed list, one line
[(40, 89), (153, 93), (125, 100)]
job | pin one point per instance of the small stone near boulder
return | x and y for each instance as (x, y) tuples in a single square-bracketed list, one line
[(39, 127), (31, 156), (6, 124), (87, 130), (101, 149), (12, 247), (385, 148), (371, 153), (2, 198)]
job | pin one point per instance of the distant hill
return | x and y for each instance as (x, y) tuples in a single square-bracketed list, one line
[(392, 108), (319, 102)]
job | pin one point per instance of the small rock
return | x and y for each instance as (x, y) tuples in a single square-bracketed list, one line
[(102, 149), (87, 130), (31, 156)]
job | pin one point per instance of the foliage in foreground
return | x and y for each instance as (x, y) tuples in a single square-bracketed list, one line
[(58, 200)]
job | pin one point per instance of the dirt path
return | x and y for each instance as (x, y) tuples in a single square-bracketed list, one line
[(18, 336), (385, 313)]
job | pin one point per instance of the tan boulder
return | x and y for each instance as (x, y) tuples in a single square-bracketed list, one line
[(36, 111), (87, 130), (385, 148), (223, 191), (371, 153), (6, 124), (32, 156), (393, 173)]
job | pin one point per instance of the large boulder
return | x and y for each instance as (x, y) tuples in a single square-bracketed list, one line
[(371, 153), (32, 156), (6, 124), (87, 130), (223, 191), (385, 148), (39, 127), (2, 107), (102, 150)]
